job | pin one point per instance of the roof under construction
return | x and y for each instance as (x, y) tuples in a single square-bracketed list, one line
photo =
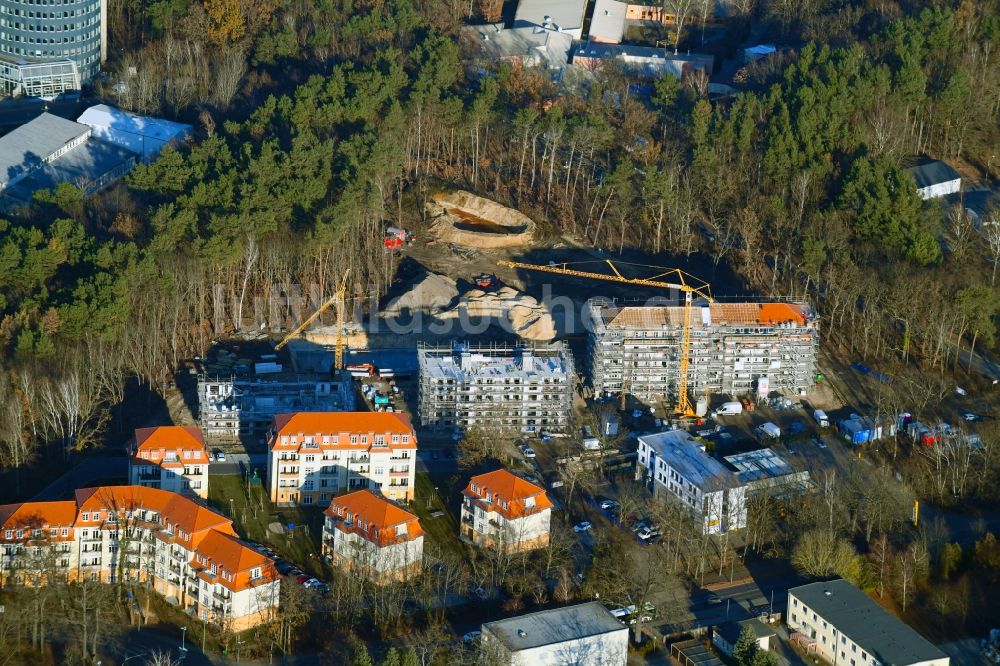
[(714, 314)]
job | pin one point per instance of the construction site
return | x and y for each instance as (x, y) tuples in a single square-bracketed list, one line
[(733, 348), (517, 388)]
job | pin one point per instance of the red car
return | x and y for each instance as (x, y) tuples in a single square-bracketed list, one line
[(301, 579)]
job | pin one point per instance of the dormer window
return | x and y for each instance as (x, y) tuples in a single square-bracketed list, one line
[(255, 573), (529, 502)]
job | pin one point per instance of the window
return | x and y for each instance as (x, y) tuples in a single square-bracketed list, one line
[(255, 573), (8, 534), (85, 517)]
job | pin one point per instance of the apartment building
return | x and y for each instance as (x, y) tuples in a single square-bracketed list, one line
[(674, 463), (113, 533), (367, 533), (172, 458), (735, 348), (845, 626), (502, 509), (518, 388), (314, 456)]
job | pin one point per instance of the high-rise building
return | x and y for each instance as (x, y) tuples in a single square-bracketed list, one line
[(48, 47)]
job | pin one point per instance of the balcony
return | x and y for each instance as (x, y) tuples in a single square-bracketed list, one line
[(149, 476), (223, 596), (288, 471), (404, 473)]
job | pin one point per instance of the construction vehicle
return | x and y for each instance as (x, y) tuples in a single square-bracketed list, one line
[(362, 370), (338, 345), (485, 281), (396, 237), (665, 278)]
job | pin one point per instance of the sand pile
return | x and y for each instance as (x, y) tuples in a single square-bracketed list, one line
[(465, 219), (430, 294), (521, 313)]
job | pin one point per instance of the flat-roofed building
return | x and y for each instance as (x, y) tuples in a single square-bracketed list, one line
[(516, 388), (735, 348), (764, 471), (676, 464), (554, 15), (581, 635), (143, 135), (846, 626), (647, 61), (502, 510), (190, 553), (313, 456), (935, 178), (50, 150), (170, 458), (368, 534)]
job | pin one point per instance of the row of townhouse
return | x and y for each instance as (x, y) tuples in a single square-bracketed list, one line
[(188, 553), (371, 535), (316, 456)]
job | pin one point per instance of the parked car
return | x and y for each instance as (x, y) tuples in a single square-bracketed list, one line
[(582, 527), (972, 418), (220, 455), (608, 504), (527, 451), (295, 572), (283, 567), (302, 578), (819, 442), (712, 599), (472, 636)]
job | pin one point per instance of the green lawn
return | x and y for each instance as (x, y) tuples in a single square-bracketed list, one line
[(442, 530), (251, 517)]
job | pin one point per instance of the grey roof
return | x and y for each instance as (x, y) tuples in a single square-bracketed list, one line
[(685, 454), (554, 626), (649, 55), (529, 45), (857, 616), (81, 167), (730, 631), (558, 15), (102, 115), (930, 173), (29, 145), (608, 22)]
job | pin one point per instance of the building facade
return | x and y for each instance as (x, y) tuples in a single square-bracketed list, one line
[(674, 463), (190, 553), (845, 626), (172, 458), (582, 635), (368, 534), (33, 34), (241, 407), (735, 348), (503, 510), (518, 389), (313, 456)]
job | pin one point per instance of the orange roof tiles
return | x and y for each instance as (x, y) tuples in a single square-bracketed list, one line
[(235, 559), (175, 509), (508, 493), (38, 514), (373, 517), (341, 423), (169, 439)]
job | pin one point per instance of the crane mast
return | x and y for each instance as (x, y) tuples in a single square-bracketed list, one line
[(671, 278), (339, 299)]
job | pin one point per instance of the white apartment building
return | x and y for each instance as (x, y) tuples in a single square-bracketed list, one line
[(512, 388), (314, 456), (367, 533), (172, 458), (502, 509), (845, 626), (191, 553), (582, 635), (675, 463)]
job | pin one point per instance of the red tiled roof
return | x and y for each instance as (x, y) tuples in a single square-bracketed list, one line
[(170, 439), (38, 514), (341, 423), (506, 488), (235, 558), (373, 517)]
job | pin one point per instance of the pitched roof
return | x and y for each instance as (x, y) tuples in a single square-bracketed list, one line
[(176, 509), (511, 489), (38, 514), (932, 172), (857, 616), (169, 437), (28, 146), (341, 423), (373, 517)]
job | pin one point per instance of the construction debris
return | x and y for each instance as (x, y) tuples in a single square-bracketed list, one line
[(464, 219)]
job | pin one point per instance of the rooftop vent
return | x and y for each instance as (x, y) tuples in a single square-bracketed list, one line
[(522, 633), (828, 593)]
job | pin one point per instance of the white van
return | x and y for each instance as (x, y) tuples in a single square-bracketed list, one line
[(821, 419), (728, 409)]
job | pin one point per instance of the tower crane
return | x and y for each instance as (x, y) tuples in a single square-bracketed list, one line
[(666, 278), (338, 345)]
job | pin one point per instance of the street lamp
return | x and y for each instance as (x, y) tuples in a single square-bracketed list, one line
[(183, 634)]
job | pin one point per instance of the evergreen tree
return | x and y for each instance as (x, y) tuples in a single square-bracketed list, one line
[(362, 657), (746, 647)]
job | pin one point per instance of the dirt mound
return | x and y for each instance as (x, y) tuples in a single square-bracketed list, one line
[(432, 294), (462, 218)]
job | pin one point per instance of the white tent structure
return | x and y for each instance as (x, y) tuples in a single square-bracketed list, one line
[(140, 134)]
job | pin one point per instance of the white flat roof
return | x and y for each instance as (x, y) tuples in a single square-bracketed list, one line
[(685, 454)]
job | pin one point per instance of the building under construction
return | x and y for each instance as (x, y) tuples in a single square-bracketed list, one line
[(735, 348), (519, 387)]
